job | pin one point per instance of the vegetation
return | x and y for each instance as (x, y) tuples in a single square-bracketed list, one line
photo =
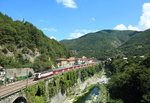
[(101, 44), (23, 45), (107, 43), (69, 79), (59, 83), (81, 98), (138, 45), (130, 80), (37, 93)]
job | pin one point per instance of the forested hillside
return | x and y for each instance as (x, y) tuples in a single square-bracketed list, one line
[(130, 80), (24, 45), (101, 44), (138, 44)]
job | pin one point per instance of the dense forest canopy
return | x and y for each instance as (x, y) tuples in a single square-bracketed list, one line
[(130, 80), (24, 45), (139, 44), (101, 44)]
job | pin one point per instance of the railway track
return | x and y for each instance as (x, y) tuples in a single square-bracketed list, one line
[(15, 87), (10, 89)]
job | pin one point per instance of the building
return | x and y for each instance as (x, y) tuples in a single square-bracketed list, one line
[(71, 61), (61, 62), (2, 74), (80, 61)]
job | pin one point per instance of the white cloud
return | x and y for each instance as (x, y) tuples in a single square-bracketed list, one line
[(50, 29), (130, 27), (123, 27), (52, 37), (78, 33), (120, 27), (68, 3), (85, 31), (93, 19), (144, 22)]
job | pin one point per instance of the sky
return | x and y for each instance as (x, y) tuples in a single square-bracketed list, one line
[(69, 19)]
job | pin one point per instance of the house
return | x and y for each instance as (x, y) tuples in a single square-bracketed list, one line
[(2, 74), (71, 61), (79, 61), (125, 58), (61, 62), (142, 56), (109, 59), (89, 60)]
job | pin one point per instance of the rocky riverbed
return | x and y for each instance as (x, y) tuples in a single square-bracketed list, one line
[(79, 88)]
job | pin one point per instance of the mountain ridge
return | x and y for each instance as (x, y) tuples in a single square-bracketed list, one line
[(24, 45), (100, 42)]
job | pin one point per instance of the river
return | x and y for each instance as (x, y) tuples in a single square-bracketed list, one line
[(87, 96), (93, 92)]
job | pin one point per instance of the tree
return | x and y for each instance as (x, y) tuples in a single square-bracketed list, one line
[(30, 74)]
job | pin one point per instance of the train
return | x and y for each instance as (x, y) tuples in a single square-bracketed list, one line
[(60, 70)]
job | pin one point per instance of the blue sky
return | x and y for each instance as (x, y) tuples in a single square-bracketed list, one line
[(68, 19)]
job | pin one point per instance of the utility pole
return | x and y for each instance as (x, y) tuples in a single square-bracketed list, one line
[(5, 76), (27, 84)]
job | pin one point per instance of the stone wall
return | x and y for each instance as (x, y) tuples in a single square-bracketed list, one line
[(13, 97), (18, 72)]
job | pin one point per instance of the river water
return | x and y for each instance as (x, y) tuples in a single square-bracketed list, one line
[(94, 91)]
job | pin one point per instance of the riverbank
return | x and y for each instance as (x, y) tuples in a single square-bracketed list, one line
[(79, 89)]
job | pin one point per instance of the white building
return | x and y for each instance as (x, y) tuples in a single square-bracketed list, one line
[(2, 74)]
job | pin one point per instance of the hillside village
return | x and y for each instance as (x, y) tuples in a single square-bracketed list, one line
[(62, 62)]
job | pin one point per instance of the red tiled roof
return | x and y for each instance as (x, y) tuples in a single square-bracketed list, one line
[(61, 59), (79, 58), (71, 59), (89, 58)]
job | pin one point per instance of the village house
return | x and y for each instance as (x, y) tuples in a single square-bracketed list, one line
[(71, 61), (85, 60), (80, 61), (2, 74), (61, 62)]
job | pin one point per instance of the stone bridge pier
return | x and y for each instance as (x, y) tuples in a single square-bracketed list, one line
[(14, 98)]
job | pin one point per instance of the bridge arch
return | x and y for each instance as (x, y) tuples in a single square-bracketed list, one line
[(20, 99)]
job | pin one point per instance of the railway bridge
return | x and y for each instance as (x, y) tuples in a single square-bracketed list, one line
[(11, 92)]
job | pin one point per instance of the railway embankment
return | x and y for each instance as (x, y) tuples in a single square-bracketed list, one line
[(63, 86)]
